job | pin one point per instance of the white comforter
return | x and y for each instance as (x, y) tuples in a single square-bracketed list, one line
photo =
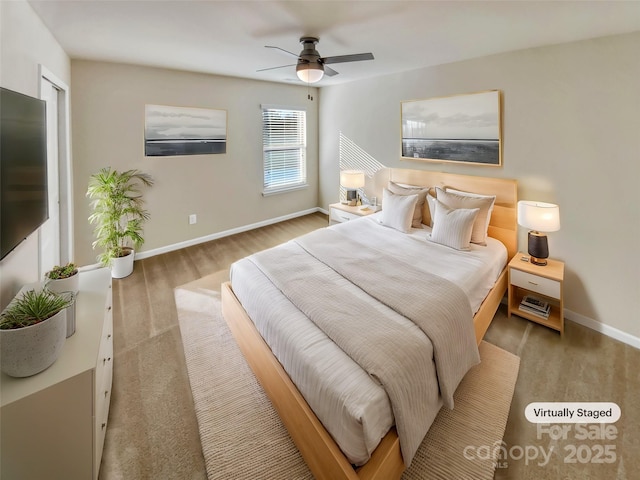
[(351, 404)]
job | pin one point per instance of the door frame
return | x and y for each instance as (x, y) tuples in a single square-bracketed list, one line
[(65, 167)]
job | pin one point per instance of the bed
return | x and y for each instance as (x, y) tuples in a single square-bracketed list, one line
[(328, 449)]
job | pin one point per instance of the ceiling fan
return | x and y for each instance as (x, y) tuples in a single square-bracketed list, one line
[(311, 67)]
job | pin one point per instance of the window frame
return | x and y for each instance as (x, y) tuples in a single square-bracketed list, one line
[(301, 146)]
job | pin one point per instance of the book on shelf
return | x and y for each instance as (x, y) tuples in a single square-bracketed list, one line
[(535, 311), (535, 303), (535, 306)]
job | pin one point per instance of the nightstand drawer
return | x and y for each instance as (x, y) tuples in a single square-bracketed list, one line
[(340, 216), (541, 285)]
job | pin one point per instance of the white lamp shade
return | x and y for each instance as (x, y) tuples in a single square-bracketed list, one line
[(309, 72), (352, 179), (539, 216)]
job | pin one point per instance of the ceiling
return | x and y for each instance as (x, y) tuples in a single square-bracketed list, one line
[(228, 37)]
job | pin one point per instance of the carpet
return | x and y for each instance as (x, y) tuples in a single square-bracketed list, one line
[(242, 436)]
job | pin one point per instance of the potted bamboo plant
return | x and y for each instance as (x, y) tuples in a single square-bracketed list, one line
[(63, 278), (33, 329), (118, 215)]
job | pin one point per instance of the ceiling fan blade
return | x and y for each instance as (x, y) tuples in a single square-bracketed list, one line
[(273, 68), (282, 50), (329, 71), (356, 57)]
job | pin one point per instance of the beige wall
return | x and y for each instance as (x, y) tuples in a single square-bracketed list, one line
[(25, 43), (224, 191), (571, 137)]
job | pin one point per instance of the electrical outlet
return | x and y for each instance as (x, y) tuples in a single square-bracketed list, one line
[(193, 218)]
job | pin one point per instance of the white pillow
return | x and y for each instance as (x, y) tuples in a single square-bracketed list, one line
[(397, 210), (422, 192), (466, 200), (452, 227), (477, 195)]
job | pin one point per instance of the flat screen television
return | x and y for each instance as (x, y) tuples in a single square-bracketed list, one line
[(23, 168)]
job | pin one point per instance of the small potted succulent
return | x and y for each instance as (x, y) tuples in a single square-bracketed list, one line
[(33, 329), (63, 278)]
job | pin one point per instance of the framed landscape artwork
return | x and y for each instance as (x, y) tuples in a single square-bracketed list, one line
[(460, 128), (172, 131)]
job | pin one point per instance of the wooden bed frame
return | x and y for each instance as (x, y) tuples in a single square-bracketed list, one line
[(322, 455)]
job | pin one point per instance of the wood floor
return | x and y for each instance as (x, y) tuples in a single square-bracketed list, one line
[(152, 431)]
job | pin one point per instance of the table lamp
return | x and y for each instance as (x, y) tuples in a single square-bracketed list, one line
[(540, 218), (352, 180)]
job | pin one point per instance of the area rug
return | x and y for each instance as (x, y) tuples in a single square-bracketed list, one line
[(242, 436)]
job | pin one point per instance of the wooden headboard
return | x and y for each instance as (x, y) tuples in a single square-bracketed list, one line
[(503, 225)]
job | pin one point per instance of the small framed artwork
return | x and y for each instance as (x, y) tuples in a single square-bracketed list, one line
[(172, 131), (460, 128)]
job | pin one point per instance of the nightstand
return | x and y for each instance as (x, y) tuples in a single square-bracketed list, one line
[(339, 212), (542, 282)]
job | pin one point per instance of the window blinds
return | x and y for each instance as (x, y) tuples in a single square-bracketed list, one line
[(284, 142)]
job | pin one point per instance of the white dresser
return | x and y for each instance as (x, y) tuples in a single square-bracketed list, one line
[(52, 425)]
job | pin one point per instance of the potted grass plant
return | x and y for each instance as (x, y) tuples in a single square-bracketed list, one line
[(33, 329), (118, 216), (63, 278)]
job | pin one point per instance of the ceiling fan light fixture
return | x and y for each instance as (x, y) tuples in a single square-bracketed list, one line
[(310, 72)]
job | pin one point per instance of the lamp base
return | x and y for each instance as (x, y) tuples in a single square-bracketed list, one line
[(538, 248), (538, 261), (352, 197)]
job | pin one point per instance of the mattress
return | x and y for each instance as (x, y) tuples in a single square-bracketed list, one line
[(354, 407)]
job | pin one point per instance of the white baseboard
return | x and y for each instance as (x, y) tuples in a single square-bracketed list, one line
[(225, 233), (605, 329), (599, 327)]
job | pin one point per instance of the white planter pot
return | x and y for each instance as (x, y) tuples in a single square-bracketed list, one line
[(122, 266), (71, 284), (30, 350)]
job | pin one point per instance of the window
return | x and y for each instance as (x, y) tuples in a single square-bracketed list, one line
[(284, 140)]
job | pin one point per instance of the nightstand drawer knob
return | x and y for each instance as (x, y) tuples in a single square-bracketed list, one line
[(533, 283)]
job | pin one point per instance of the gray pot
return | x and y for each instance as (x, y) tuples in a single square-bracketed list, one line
[(71, 313), (30, 350)]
